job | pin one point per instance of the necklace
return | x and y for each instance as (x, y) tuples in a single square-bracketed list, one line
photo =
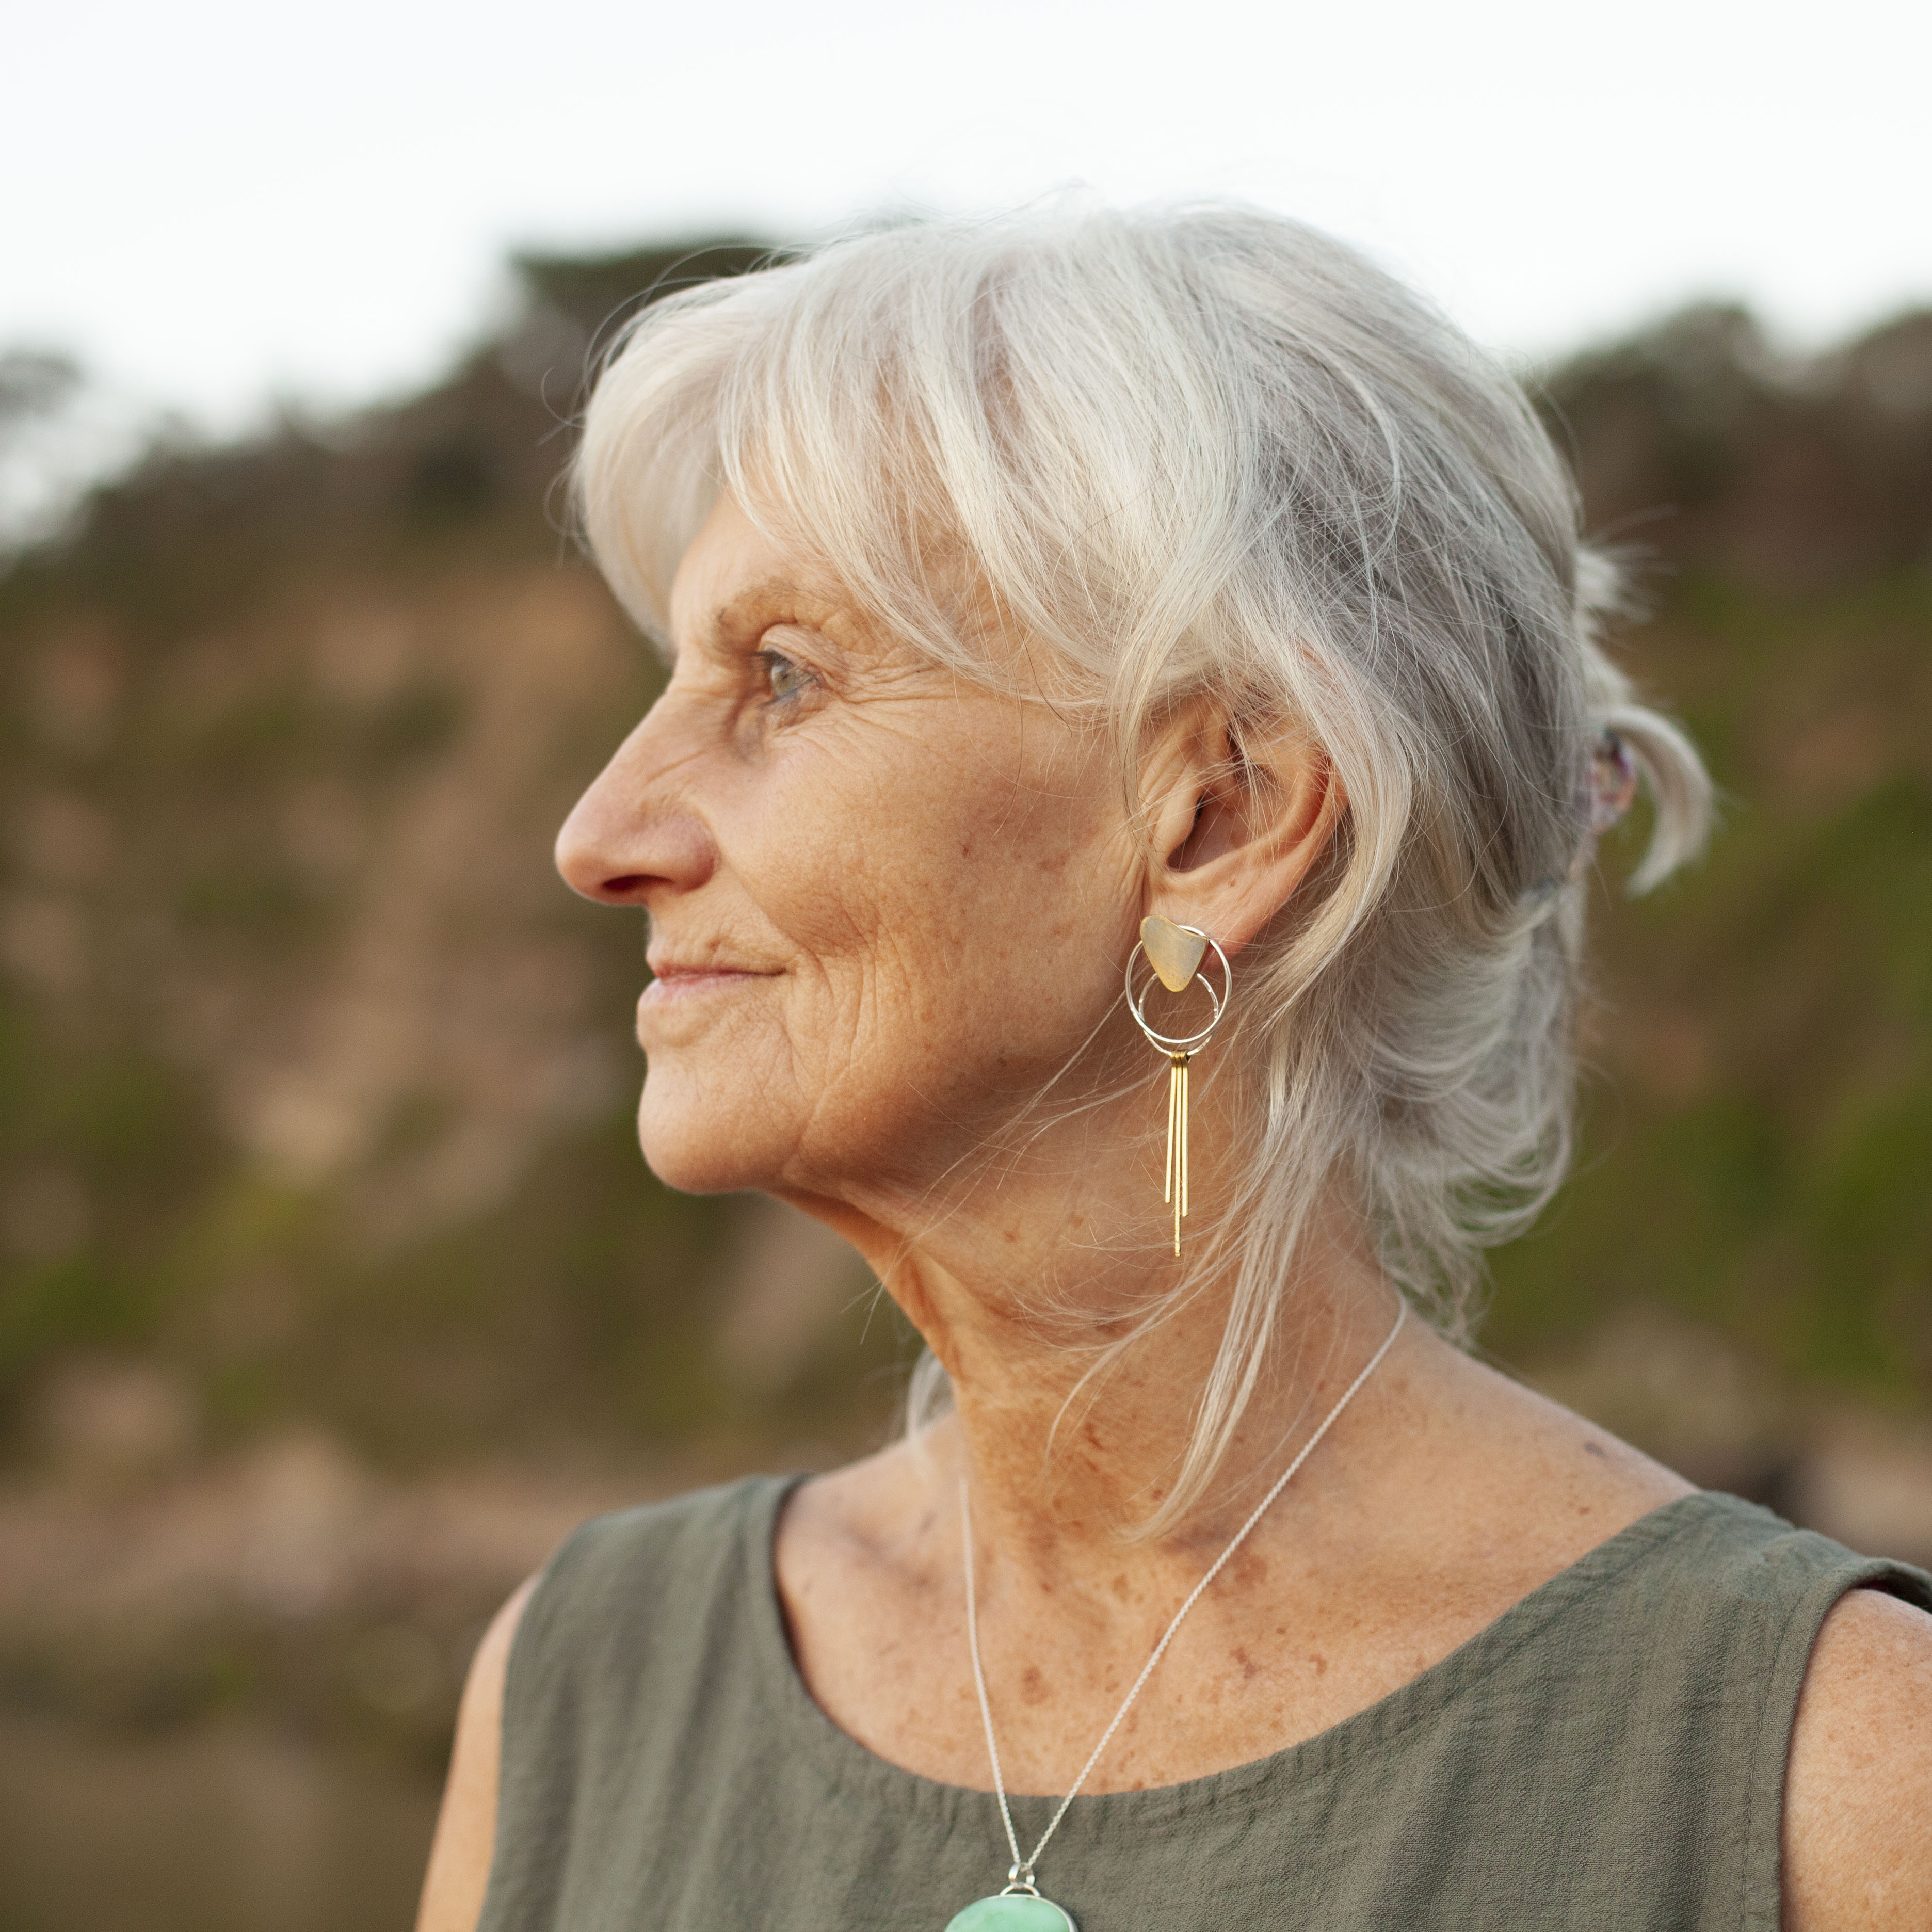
[(1019, 1906)]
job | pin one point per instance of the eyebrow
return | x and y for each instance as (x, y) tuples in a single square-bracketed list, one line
[(748, 601), (724, 617)]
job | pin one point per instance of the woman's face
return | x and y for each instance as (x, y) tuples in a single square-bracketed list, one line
[(885, 907)]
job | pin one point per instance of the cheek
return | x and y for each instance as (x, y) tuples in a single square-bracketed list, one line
[(949, 932), (981, 922)]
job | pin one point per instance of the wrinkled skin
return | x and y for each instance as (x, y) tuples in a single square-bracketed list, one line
[(887, 908), (884, 903)]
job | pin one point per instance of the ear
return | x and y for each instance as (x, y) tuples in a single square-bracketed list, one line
[(1237, 820)]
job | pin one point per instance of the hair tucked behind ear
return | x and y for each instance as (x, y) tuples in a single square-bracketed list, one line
[(1208, 451)]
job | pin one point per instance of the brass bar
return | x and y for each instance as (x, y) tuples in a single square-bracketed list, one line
[(1186, 1096), (1174, 1142), (1167, 1173)]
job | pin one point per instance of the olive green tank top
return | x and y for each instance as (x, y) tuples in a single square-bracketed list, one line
[(1609, 1753)]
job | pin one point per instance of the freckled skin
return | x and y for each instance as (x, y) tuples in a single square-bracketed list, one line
[(905, 1002), (888, 910)]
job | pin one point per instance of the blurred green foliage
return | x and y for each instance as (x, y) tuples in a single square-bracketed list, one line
[(225, 805)]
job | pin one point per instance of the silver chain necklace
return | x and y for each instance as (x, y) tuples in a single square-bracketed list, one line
[(1019, 1906)]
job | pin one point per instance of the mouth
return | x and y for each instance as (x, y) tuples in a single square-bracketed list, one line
[(675, 981)]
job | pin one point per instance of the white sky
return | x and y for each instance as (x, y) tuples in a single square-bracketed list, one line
[(214, 202)]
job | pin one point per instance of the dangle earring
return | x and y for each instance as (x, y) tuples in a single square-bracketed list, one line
[(1175, 953)]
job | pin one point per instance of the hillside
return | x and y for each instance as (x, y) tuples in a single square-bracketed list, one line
[(1759, 1148), (317, 1081), (314, 1083)]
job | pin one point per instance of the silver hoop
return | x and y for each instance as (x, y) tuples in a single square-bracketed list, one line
[(1193, 1042)]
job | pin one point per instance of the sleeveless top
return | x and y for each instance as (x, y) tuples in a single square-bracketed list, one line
[(1609, 1753)]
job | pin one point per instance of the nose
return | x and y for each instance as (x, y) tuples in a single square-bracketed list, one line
[(620, 846)]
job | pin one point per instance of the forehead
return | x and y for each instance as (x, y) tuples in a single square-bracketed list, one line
[(733, 563), (736, 578)]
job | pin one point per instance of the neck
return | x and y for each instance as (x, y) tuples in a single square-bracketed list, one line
[(1061, 1462), (1070, 1428)]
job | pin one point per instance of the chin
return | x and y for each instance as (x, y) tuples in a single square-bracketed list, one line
[(700, 1141)]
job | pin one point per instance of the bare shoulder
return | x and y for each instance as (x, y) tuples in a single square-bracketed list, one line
[(466, 1827), (1858, 1803), (1517, 1473)]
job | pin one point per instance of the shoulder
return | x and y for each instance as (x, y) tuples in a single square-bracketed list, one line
[(641, 1562), (1497, 1488), (465, 1826), (1858, 1812), (615, 1579)]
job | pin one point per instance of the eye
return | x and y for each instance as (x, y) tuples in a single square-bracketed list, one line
[(784, 677)]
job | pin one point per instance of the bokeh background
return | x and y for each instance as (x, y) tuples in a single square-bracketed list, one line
[(332, 1290)]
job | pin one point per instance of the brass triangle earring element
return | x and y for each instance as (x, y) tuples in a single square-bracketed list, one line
[(1175, 953)]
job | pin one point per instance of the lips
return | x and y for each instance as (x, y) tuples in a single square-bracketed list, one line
[(674, 972), (679, 981)]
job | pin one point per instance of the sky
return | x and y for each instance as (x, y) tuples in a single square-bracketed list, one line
[(219, 206)]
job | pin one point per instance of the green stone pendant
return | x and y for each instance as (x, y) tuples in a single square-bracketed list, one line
[(1013, 1911)]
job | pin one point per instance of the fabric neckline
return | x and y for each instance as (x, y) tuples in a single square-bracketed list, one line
[(852, 1770)]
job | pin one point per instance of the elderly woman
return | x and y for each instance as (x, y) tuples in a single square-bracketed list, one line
[(1115, 840)]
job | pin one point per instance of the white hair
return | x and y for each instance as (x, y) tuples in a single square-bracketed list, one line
[(1207, 451)]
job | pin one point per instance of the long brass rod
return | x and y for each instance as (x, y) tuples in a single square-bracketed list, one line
[(1176, 1189), (1167, 1173), (1186, 1096)]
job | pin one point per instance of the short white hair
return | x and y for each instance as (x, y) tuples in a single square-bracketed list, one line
[(1207, 450)]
